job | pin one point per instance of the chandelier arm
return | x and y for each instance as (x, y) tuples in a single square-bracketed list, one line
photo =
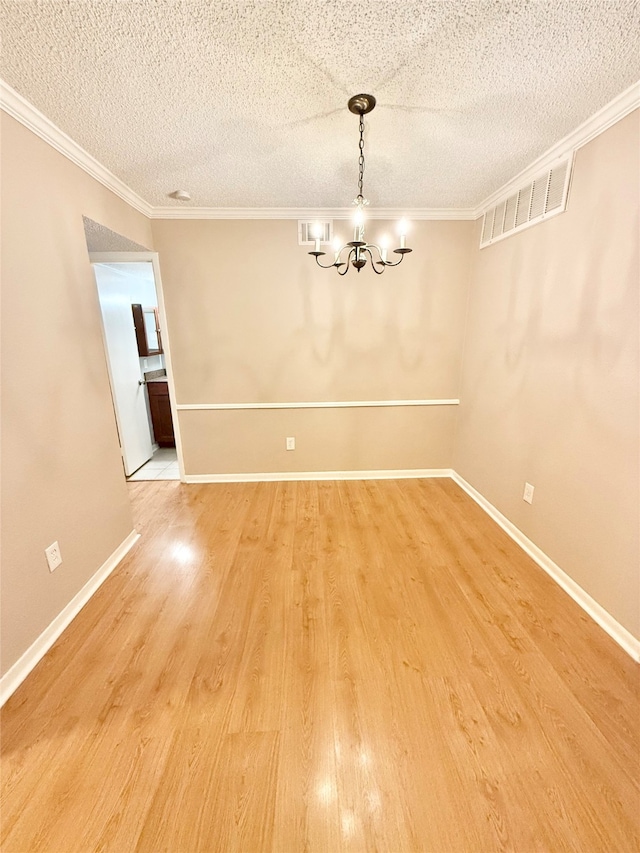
[(378, 250), (322, 266), (347, 263), (373, 263), (392, 264)]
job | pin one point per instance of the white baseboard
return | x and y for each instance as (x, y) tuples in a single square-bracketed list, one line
[(14, 677), (616, 631), (289, 476)]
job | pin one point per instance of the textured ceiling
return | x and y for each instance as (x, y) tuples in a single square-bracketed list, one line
[(102, 239), (243, 103)]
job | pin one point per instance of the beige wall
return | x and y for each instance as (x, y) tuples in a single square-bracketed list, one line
[(253, 320), (62, 475), (327, 439), (550, 385)]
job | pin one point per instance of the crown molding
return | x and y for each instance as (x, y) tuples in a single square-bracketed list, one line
[(615, 110), (24, 112), (20, 109), (308, 213)]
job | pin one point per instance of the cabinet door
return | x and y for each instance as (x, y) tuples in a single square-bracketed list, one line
[(147, 328), (161, 413)]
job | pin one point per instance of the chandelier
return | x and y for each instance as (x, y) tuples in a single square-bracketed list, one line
[(358, 251)]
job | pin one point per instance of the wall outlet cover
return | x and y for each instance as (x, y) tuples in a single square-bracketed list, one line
[(53, 555), (528, 493), (291, 443)]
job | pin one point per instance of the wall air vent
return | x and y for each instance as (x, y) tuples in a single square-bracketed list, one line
[(307, 231), (536, 201)]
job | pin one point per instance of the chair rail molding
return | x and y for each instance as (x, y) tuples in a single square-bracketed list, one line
[(336, 404)]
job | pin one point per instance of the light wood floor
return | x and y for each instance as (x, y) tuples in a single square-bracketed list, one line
[(324, 667)]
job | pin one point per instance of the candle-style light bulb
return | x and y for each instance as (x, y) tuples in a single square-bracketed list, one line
[(402, 231), (384, 245), (316, 232), (358, 221), (336, 244)]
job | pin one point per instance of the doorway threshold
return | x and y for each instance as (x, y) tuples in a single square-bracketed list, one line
[(163, 465)]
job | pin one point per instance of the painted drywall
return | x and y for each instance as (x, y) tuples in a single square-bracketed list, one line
[(327, 439), (252, 319), (132, 282), (62, 475), (550, 377)]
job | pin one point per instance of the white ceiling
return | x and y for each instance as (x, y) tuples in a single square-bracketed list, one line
[(102, 239), (244, 102)]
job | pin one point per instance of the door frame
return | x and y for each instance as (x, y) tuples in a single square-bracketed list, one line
[(146, 257)]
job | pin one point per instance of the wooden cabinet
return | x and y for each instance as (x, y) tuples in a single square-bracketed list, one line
[(161, 413)]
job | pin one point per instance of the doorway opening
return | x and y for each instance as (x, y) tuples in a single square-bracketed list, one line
[(139, 365)]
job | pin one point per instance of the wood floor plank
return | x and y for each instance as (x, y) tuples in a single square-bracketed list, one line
[(324, 666), (307, 787), (257, 704)]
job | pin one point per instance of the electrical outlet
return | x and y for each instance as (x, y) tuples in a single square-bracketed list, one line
[(291, 443), (528, 493), (53, 555)]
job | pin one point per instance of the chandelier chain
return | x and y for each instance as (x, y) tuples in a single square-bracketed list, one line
[(361, 158)]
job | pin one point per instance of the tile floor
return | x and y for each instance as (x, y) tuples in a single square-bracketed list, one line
[(163, 465)]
